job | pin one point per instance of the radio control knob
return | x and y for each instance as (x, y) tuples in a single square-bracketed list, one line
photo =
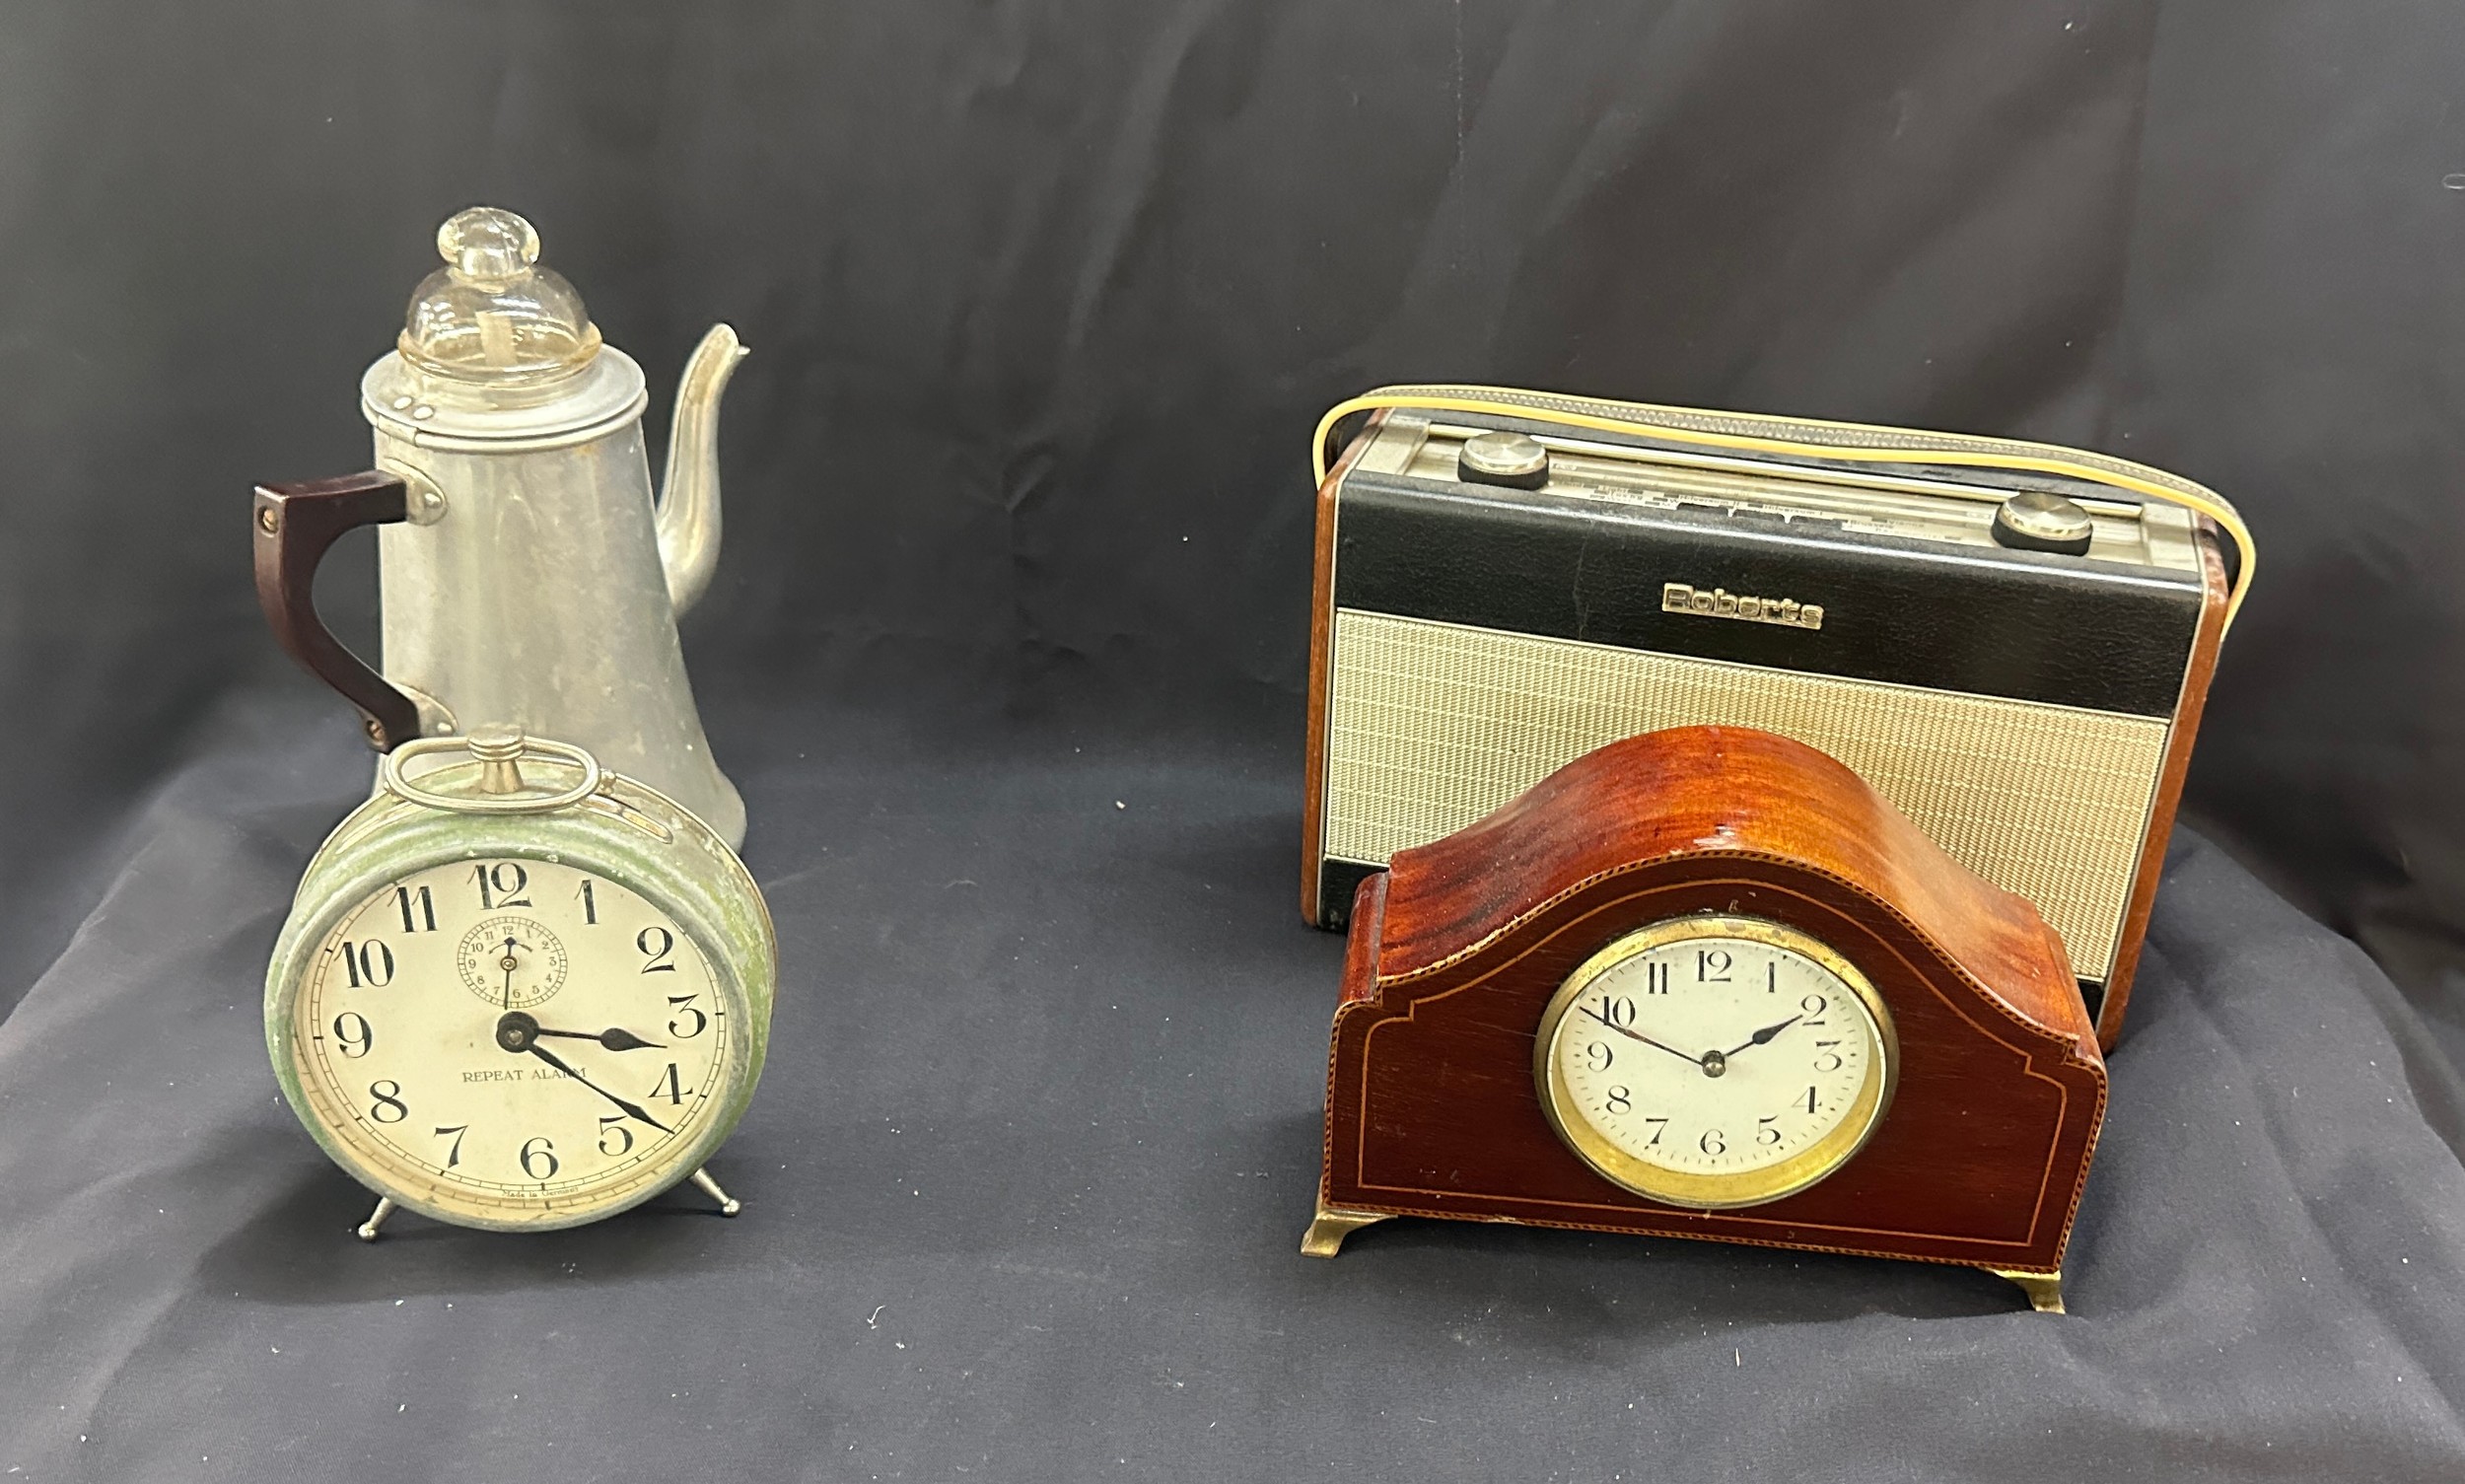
[(2035, 521), (1514, 459)]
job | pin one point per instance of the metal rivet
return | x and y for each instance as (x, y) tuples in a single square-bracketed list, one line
[(269, 520), (423, 412), (401, 402)]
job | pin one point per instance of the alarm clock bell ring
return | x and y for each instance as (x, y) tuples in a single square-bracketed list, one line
[(527, 570)]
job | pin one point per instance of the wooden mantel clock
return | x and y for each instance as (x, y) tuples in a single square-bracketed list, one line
[(1707, 983)]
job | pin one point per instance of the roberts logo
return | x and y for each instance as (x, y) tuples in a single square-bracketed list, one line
[(1720, 603)]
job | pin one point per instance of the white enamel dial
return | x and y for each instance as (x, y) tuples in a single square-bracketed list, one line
[(1716, 1061), (513, 1039)]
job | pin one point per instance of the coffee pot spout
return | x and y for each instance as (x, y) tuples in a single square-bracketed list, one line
[(688, 502)]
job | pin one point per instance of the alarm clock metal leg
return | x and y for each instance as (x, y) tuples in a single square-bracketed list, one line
[(728, 1205), (367, 1230), (1329, 1227), (2044, 1290)]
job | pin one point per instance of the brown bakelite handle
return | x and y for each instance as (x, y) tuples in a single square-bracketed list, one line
[(295, 525)]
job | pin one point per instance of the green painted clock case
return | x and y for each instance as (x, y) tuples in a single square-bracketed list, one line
[(620, 830)]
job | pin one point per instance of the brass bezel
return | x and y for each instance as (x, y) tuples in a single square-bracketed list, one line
[(1717, 1192)]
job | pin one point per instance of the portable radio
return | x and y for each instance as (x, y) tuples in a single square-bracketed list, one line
[(2010, 641)]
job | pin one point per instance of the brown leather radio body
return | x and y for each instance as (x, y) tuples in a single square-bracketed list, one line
[(2011, 642)]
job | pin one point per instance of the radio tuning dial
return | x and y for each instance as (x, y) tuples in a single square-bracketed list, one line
[(2035, 521), (1515, 461)]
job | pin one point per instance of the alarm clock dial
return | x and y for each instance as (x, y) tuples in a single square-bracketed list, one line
[(511, 1041), (1716, 1062)]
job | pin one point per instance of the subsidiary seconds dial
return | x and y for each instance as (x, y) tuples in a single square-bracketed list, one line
[(1714, 1061), (513, 963)]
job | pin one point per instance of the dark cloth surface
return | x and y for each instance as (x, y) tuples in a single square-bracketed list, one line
[(1025, 1181)]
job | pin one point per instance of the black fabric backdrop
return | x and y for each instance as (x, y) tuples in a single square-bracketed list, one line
[(1043, 300)]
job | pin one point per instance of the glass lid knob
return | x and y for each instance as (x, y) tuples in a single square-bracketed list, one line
[(485, 244), (492, 316)]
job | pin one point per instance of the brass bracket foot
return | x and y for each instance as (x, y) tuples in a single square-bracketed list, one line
[(2044, 1290), (1329, 1227)]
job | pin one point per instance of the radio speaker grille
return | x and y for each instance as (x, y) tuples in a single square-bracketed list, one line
[(1432, 725)]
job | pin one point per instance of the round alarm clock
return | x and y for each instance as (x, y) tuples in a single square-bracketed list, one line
[(519, 992)]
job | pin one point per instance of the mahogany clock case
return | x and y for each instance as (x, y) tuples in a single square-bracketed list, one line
[(1431, 1108)]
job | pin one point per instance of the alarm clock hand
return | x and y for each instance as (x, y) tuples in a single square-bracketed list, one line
[(631, 1110), (1638, 1036), (614, 1038), (1763, 1036), (518, 1031)]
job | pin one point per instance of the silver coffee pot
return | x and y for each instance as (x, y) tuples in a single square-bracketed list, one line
[(528, 575)]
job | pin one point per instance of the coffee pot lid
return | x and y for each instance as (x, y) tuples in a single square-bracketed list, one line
[(497, 354), (492, 315)]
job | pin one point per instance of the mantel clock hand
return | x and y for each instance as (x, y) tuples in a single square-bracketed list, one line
[(1640, 1036), (1763, 1036)]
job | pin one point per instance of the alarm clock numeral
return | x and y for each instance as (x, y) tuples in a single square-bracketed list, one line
[(358, 1042), (1814, 1006), (538, 1153), (1660, 1126), (1810, 1099), (1772, 976), (1621, 1100), (453, 1155), (1655, 982), (589, 906), (1767, 1129), (502, 883), (1823, 1054), (387, 1094), (1599, 1055), (369, 964), (1710, 966), (1619, 1011), (670, 1087), (419, 909), (1713, 1141), (684, 1007), (615, 1124), (658, 943)]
